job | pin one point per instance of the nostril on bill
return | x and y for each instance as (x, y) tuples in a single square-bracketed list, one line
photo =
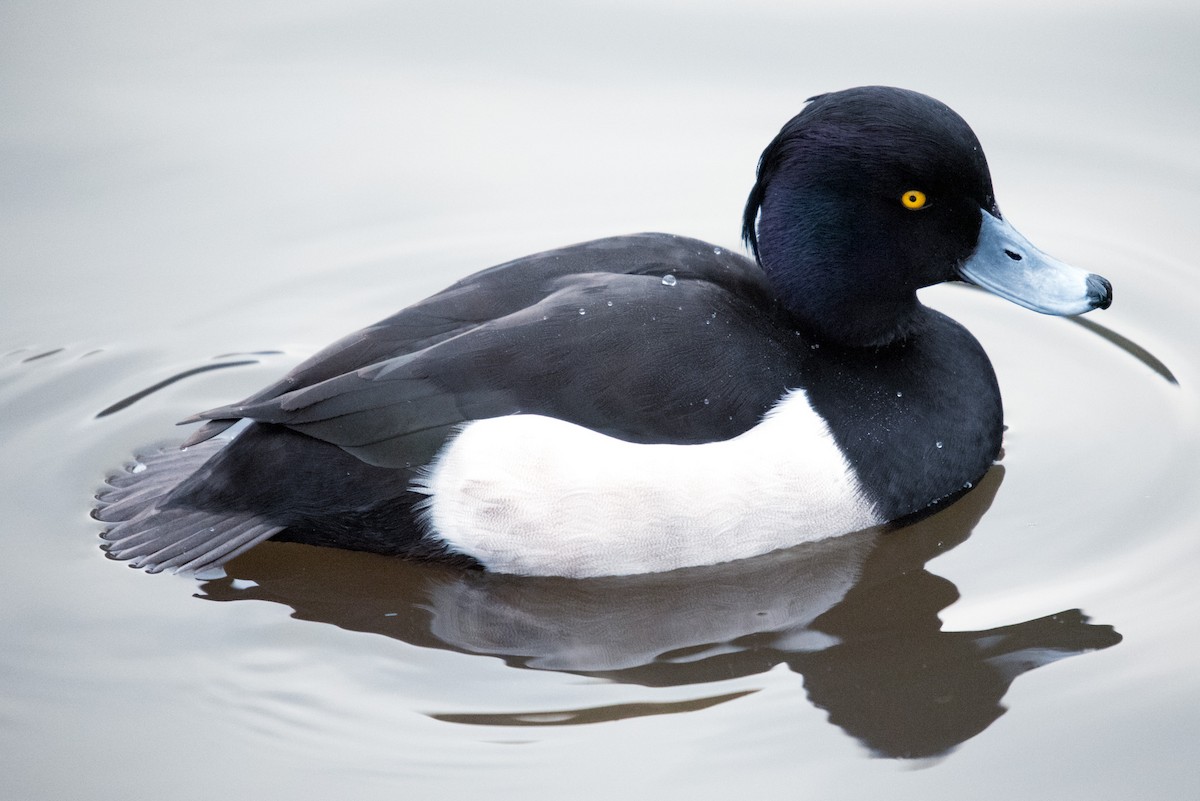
[(1012, 254)]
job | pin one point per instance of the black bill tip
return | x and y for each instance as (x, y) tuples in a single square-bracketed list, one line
[(1099, 291)]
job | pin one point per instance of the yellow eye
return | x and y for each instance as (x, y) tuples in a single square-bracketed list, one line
[(913, 199)]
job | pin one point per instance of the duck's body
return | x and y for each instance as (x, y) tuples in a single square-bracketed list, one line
[(644, 402)]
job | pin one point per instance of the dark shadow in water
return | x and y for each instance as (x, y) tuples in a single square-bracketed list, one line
[(856, 616), (1128, 345), (42, 355), (126, 402)]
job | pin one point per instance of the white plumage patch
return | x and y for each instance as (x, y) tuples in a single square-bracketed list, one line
[(534, 495)]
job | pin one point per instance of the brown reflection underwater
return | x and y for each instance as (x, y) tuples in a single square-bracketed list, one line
[(856, 616)]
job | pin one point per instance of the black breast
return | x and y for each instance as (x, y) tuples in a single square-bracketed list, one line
[(917, 419)]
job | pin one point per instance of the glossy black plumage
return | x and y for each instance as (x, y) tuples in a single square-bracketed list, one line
[(656, 352), (824, 219)]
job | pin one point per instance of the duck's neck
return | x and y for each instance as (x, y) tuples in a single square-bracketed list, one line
[(831, 307)]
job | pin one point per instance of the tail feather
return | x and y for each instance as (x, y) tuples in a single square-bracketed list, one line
[(198, 550), (154, 533), (128, 506)]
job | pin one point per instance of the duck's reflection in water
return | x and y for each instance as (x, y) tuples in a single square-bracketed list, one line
[(856, 616)]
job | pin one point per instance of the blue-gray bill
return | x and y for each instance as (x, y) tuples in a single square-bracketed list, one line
[(1007, 264)]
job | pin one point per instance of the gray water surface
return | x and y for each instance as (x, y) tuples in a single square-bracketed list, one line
[(192, 200)]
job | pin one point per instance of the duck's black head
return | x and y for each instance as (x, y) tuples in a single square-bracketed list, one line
[(870, 194)]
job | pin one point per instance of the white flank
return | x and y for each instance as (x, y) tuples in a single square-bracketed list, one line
[(533, 495)]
